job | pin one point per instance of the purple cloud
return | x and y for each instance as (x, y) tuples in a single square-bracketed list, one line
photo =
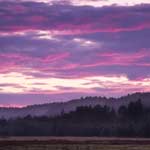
[(56, 48), (67, 19)]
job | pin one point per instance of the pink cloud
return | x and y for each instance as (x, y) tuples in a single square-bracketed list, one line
[(37, 19), (55, 57), (12, 106), (12, 62), (123, 59)]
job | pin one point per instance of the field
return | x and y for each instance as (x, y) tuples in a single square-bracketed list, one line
[(72, 143)]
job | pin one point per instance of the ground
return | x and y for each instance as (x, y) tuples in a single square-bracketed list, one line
[(72, 143)]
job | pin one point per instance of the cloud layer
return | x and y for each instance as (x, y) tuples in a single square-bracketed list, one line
[(75, 48), (68, 19)]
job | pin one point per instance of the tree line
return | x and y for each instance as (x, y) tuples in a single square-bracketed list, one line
[(132, 120)]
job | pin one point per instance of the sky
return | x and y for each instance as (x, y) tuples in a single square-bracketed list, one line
[(57, 50)]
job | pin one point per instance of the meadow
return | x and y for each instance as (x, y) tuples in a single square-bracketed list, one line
[(72, 143)]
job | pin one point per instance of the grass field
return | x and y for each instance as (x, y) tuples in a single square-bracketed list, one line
[(71, 143)]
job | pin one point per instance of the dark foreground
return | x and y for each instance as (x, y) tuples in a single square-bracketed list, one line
[(72, 143)]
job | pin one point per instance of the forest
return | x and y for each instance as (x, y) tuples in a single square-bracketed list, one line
[(132, 120)]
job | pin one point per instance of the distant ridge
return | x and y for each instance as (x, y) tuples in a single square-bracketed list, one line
[(53, 109)]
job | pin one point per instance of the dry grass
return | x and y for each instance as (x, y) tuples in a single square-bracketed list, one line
[(76, 147), (72, 143)]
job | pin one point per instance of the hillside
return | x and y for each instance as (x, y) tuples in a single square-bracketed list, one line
[(53, 109)]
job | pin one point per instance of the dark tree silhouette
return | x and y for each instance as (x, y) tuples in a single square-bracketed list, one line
[(132, 120)]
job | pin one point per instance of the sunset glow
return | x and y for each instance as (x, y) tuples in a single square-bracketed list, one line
[(74, 48)]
